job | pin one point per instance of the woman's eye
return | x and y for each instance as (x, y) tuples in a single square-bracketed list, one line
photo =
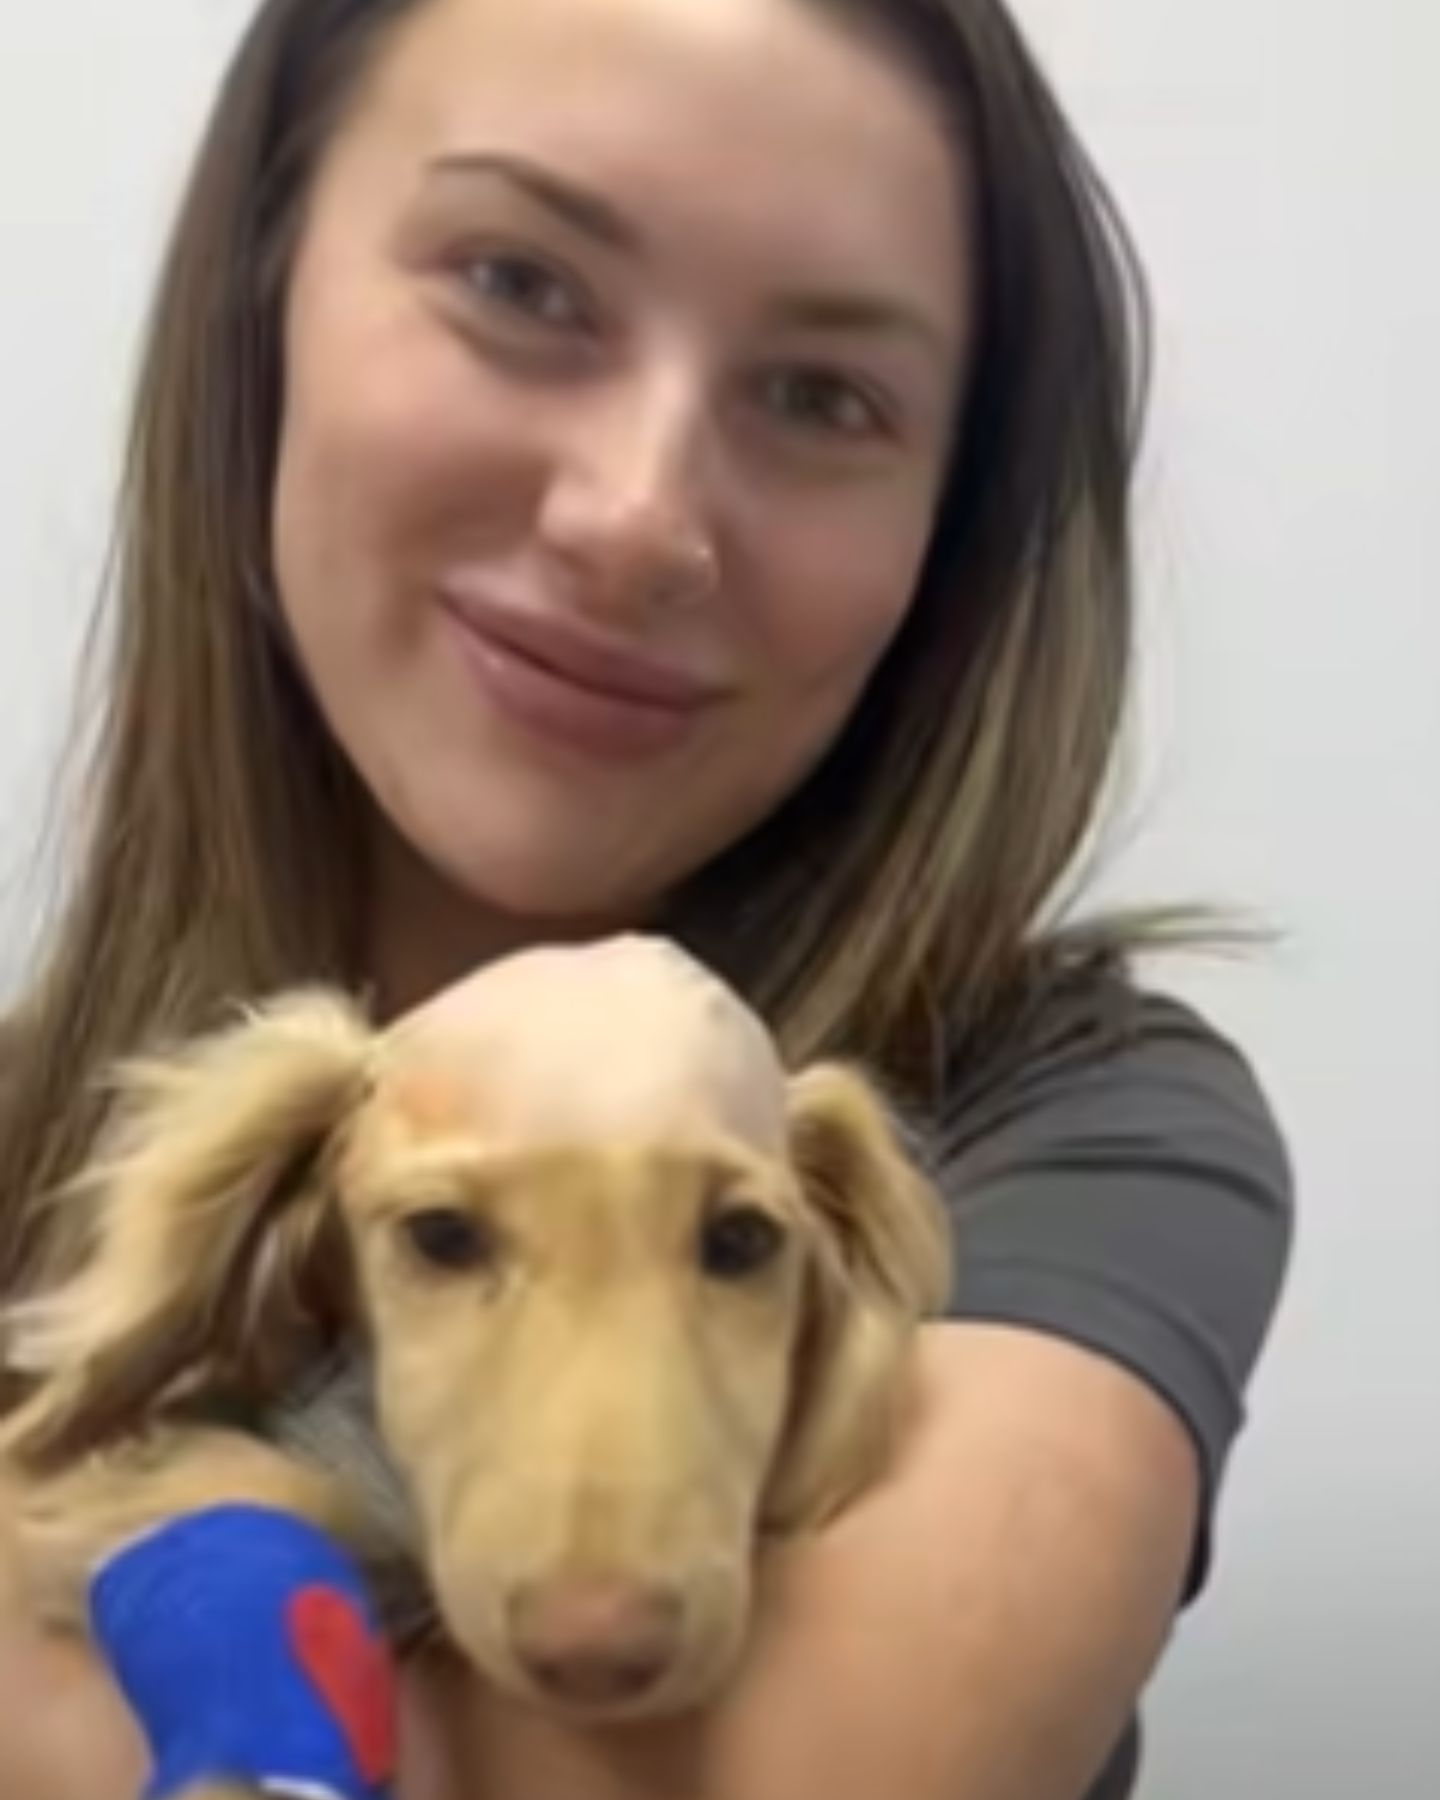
[(819, 400), (522, 286)]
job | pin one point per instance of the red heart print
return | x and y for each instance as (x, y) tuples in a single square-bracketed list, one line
[(351, 1671)]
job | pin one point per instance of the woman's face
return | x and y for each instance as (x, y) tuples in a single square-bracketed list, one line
[(623, 345)]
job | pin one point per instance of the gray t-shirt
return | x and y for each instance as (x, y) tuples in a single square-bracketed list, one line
[(1116, 1179)]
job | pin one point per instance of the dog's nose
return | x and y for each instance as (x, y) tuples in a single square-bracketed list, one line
[(595, 1643)]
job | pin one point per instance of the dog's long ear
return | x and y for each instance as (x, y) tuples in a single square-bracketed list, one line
[(203, 1208), (882, 1263)]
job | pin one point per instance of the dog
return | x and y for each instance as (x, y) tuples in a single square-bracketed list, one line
[(630, 1296)]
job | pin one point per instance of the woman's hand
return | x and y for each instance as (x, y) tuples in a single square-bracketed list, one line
[(66, 1734)]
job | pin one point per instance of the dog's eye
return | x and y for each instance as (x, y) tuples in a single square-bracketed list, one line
[(738, 1242), (449, 1239)]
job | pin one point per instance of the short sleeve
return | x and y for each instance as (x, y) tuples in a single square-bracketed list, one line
[(1128, 1189)]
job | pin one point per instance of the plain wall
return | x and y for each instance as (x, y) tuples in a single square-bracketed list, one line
[(1280, 162)]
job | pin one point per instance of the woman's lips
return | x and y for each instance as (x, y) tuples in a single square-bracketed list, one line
[(575, 686)]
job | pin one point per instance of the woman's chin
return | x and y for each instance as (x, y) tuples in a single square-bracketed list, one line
[(559, 896), (483, 894)]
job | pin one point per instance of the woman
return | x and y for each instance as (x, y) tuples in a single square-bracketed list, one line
[(605, 462)]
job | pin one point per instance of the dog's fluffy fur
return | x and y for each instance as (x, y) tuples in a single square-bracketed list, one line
[(629, 1293)]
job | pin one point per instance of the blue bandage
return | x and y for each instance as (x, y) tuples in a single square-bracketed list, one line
[(247, 1647)]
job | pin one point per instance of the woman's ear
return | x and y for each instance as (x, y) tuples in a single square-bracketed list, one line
[(882, 1263), (207, 1214)]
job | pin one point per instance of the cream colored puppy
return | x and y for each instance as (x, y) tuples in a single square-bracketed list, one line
[(631, 1293)]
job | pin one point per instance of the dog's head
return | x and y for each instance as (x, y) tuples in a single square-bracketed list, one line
[(633, 1295)]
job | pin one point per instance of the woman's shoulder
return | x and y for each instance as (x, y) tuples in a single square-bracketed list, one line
[(1118, 1177), (1103, 1060)]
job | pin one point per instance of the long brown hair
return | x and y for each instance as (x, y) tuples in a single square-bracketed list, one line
[(222, 853)]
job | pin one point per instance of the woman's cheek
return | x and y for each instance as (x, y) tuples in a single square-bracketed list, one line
[(836, 603)]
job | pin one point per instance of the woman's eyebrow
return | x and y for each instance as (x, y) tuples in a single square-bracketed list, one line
[(875, 314), (598, 218), (579, 206)]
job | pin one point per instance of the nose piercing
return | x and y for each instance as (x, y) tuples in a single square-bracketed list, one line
[(689, 580)]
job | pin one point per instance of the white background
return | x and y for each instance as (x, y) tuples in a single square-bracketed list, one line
[(1280, 160)]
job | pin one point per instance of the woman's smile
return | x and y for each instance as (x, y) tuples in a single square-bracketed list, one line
[(584, 691)]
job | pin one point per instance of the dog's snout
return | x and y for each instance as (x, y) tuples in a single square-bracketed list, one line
[(595, 1643)]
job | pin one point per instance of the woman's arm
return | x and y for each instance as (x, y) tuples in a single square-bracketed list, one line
[(66, 1734), (977, 1628), (982, 1629)]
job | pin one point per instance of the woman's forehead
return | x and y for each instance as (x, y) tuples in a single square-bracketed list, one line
[(763, 129)]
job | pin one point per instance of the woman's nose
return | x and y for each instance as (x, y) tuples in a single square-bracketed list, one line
[(626, 514)]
